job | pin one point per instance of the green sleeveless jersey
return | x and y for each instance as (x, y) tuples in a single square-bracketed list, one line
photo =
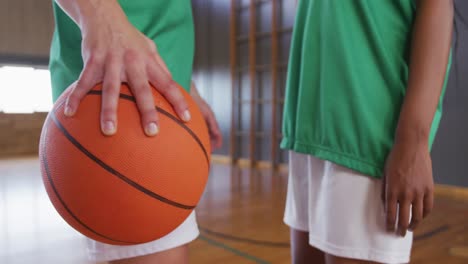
[(168, 23), (347, 77)]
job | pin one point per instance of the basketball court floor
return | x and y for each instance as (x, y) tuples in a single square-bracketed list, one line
[(240, 218)]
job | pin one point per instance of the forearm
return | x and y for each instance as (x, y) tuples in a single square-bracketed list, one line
[(430, 48), (84, 11)]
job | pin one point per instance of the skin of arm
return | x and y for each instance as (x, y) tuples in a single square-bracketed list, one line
[(82, 11), (114, 51), (408, 183)]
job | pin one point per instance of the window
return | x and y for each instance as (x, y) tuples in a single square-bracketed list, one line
[(24, 90)]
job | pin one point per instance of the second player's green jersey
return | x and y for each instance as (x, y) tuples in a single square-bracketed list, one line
[(347, 77)]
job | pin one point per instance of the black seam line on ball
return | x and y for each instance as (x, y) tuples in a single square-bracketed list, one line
[(113, 171), (49, 177), (164, 112)]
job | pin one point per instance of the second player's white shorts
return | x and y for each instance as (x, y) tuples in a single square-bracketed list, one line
[(342, 211)]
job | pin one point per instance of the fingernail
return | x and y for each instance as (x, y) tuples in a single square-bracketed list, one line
[(68, 111), (151, 129), (109, 128), (186, 116)]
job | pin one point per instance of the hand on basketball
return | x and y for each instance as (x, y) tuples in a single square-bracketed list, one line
[(407, 186), (114, 52), (216, 137)]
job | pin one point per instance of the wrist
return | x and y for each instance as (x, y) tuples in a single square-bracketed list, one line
[(100, 13), (414, 134)]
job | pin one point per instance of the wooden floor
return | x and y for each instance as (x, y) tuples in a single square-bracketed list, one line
[(240, 218)]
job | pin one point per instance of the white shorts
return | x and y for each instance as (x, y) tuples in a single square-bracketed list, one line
[(342, 211), (185, 233)]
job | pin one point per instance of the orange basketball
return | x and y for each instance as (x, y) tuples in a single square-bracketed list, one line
[(128, 188)]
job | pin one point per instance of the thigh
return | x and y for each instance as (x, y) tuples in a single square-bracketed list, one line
[(301, 251)]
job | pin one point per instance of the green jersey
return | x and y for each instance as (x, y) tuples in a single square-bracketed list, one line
[(168, 23), (347, 77)]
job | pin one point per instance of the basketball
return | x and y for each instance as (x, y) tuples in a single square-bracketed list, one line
[(128, 188)]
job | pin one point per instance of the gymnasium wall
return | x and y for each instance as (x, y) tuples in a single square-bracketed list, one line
[(19, 133), (211, 65), (25, 31), (450, 150)]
